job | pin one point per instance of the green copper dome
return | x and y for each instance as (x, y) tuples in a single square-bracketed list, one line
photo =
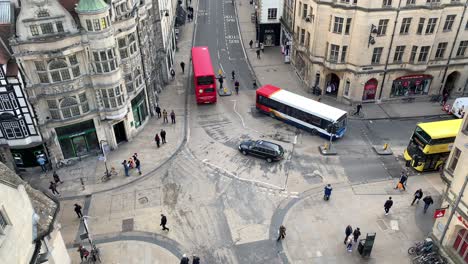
[(91, 6)]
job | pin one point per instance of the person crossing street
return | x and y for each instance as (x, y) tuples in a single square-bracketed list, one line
[(236, 86), (427, 202)]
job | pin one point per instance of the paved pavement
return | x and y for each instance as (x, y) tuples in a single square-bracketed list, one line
[(140, 201)]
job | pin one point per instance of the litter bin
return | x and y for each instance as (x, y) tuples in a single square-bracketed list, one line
[(365, 245)]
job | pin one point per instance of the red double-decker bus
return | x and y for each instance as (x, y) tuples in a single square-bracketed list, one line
[(203, 76)]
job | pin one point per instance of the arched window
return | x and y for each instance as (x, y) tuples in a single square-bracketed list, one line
[(43, 13), (69, 107), (59, 70)]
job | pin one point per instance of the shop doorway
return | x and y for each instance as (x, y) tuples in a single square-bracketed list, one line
[(332, 84), (269, 40), (461, 243), (452, 79), (119, 132), (78, 139), (370, 89)]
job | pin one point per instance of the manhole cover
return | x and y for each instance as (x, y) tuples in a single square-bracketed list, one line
[(127, 225), (143, 200)]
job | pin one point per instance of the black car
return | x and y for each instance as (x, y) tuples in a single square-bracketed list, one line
[(265, 149)]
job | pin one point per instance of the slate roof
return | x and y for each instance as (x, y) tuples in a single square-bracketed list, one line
[(43, 205)]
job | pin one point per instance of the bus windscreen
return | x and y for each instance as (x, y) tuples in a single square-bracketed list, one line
[(422, 135), (205, 80)]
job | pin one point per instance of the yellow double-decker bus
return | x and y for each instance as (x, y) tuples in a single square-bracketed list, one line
[(431, 143)]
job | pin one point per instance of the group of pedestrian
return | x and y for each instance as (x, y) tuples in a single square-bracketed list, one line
[(427, 200), (401, 185), (186, 260), (189, 13), (160, 139), (53, 184), (164, 115), (131, 163), (351, 237)]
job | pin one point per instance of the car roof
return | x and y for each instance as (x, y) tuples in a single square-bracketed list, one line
[(269, 144)]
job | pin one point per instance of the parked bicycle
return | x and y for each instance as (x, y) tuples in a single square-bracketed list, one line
[(423, 247), (65, 163), (107, 175), (430, 258)]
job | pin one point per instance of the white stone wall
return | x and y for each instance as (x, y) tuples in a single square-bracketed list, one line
[(16, 246), (264, 5)]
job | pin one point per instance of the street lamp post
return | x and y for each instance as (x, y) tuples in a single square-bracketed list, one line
[(104, 155)]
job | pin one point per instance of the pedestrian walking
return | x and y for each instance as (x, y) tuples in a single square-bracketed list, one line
[(402, 181), (165, 116), (182, 65), (327, 192), (356, 234), (358, 109), (184, 259), (196, 260), (172, 117), (254, 84), (78, 210), (42, 163), (445, 97), (163, 136), (251, 43), (137, 164), (158, 111), (236, 85), (262, 47), (348, 232), (427, 202), (56, 178), (172, 74), (258, 53), (220, 80), (84, 253), (53, 188), (157, 139), (233, 74), (163, 222), (388, 204), (126, 167), (417, 196), (349, 244), (282, 233)]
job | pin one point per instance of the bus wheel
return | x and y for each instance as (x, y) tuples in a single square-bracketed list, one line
[(313, 132), (244, 152), (269, 160)]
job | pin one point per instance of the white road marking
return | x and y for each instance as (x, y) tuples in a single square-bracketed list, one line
[(240, 116)]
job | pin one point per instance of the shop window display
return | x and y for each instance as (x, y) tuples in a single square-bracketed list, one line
[(411, 85)]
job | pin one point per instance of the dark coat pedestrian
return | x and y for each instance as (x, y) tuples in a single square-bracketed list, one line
[(182, 65), (158, 111), (163, 222), (137, 164), (388, 204), (258, 53), (157, 139), (327, 192), (356, 234), (402, 180), (163, 136), (358, 109), (251, 43), (282, 233), (184, 260), (221, 81), (196, 260), (78, 210), (348, 232), (233, 75), (445, 97), (172, 74), (417, 196), (172, 117), (56, 178), (427, 202), (84, 253), (53, 188), (236, 85), (165, 116), (254, 84)]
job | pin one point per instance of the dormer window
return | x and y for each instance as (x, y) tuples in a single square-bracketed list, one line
[(43, 13)]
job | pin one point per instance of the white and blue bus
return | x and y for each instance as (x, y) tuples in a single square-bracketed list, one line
[(301, 111)]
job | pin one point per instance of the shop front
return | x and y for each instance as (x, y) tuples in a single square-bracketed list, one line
[(269, 34), (139, 109), (370, 89), (78, 139), (27, 157), (411, 85)]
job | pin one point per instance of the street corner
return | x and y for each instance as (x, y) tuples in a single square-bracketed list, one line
[(130, 251)]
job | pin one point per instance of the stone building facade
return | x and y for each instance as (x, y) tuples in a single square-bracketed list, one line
[(452, 232), (91, 70), (372, 50)]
